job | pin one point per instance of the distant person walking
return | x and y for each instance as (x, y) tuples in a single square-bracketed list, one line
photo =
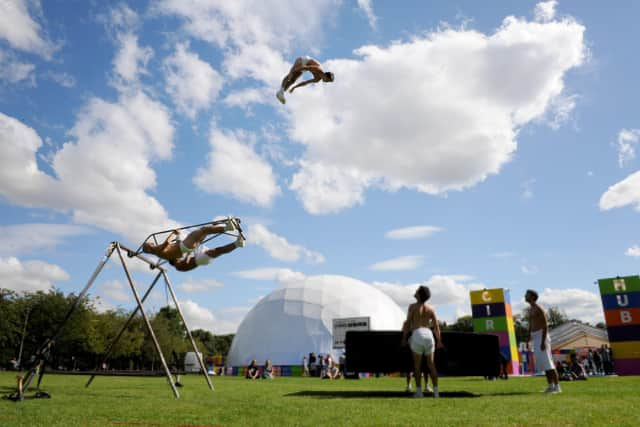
[(539, 334), (417, 334)]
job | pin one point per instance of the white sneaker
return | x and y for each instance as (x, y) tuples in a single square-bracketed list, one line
[(408, 389), (231, 224), (557, 389), (427, 389), (436, 393), (550, 389), (418, 393), (280, 96), (240, 242)]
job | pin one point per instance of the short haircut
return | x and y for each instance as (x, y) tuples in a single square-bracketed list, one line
[(533, 293), (424, 293)]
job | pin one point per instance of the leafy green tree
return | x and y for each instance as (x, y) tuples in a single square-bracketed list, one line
[(556, 317), (171, 336), (463, 324), (11, 318)]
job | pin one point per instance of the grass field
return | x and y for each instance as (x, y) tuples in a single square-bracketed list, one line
[(131, 401)]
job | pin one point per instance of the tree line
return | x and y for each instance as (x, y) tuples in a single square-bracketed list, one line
[(27, 320)]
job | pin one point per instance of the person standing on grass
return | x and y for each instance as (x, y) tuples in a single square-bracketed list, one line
[(421, 340), (539, 334)]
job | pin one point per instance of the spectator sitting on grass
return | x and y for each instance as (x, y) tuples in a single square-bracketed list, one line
[(252, 370), (577, 370), (267, 372)]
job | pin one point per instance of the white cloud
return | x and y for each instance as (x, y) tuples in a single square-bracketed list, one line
[(449, 293), (529, 269), (19, 28), (415, 232), (103, 175), (253, 35), (633, 251), (29, 276), (270, 274), (449, 120), (627, 139), (278, 247), (545, 11), (14, 71), (409, 262), (203, 285), (62, 78), (244, 97), (560, 109), (324, 188), (116, 290), (192, 83), (367, 8), (199, 317), (575, 303), (235, 169), (244, 23), (131, 59), (504, 254), (28, 238), (623, 193), (527, 188)]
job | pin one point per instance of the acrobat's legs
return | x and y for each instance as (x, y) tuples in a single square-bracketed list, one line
[(290, 78), (221, 250), (198, 235)]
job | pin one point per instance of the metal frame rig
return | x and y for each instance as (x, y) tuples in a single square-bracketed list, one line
[(41, 357)]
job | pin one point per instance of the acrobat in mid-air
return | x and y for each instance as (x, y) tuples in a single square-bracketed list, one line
[(301, 65), (186, 251)]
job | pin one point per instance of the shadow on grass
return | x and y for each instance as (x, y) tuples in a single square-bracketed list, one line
[(346, 394)]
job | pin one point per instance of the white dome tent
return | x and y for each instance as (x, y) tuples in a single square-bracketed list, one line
[(297, 319)]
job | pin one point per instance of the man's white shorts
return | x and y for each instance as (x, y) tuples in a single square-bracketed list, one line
[(201, 256), (421, 341), (544, 361)]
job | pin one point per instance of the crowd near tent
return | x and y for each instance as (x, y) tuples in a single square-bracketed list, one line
[(297, 319)]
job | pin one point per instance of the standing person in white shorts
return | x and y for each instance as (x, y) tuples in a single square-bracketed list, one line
[(302, 64), (539, 333), (420, 317)]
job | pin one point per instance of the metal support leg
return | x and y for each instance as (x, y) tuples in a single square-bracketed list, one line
[(184, 322), (147, 322), (44, 350)]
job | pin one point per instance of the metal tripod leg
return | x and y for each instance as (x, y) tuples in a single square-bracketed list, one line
[(184, 322), (147, 322)]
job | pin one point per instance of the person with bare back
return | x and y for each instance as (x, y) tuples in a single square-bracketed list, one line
[(539, 334), (186, 251), (417, 333), (302, 64)]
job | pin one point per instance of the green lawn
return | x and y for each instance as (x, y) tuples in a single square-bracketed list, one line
[(125, 401)]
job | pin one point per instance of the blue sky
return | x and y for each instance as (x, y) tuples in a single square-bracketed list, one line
[(462, 145)]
